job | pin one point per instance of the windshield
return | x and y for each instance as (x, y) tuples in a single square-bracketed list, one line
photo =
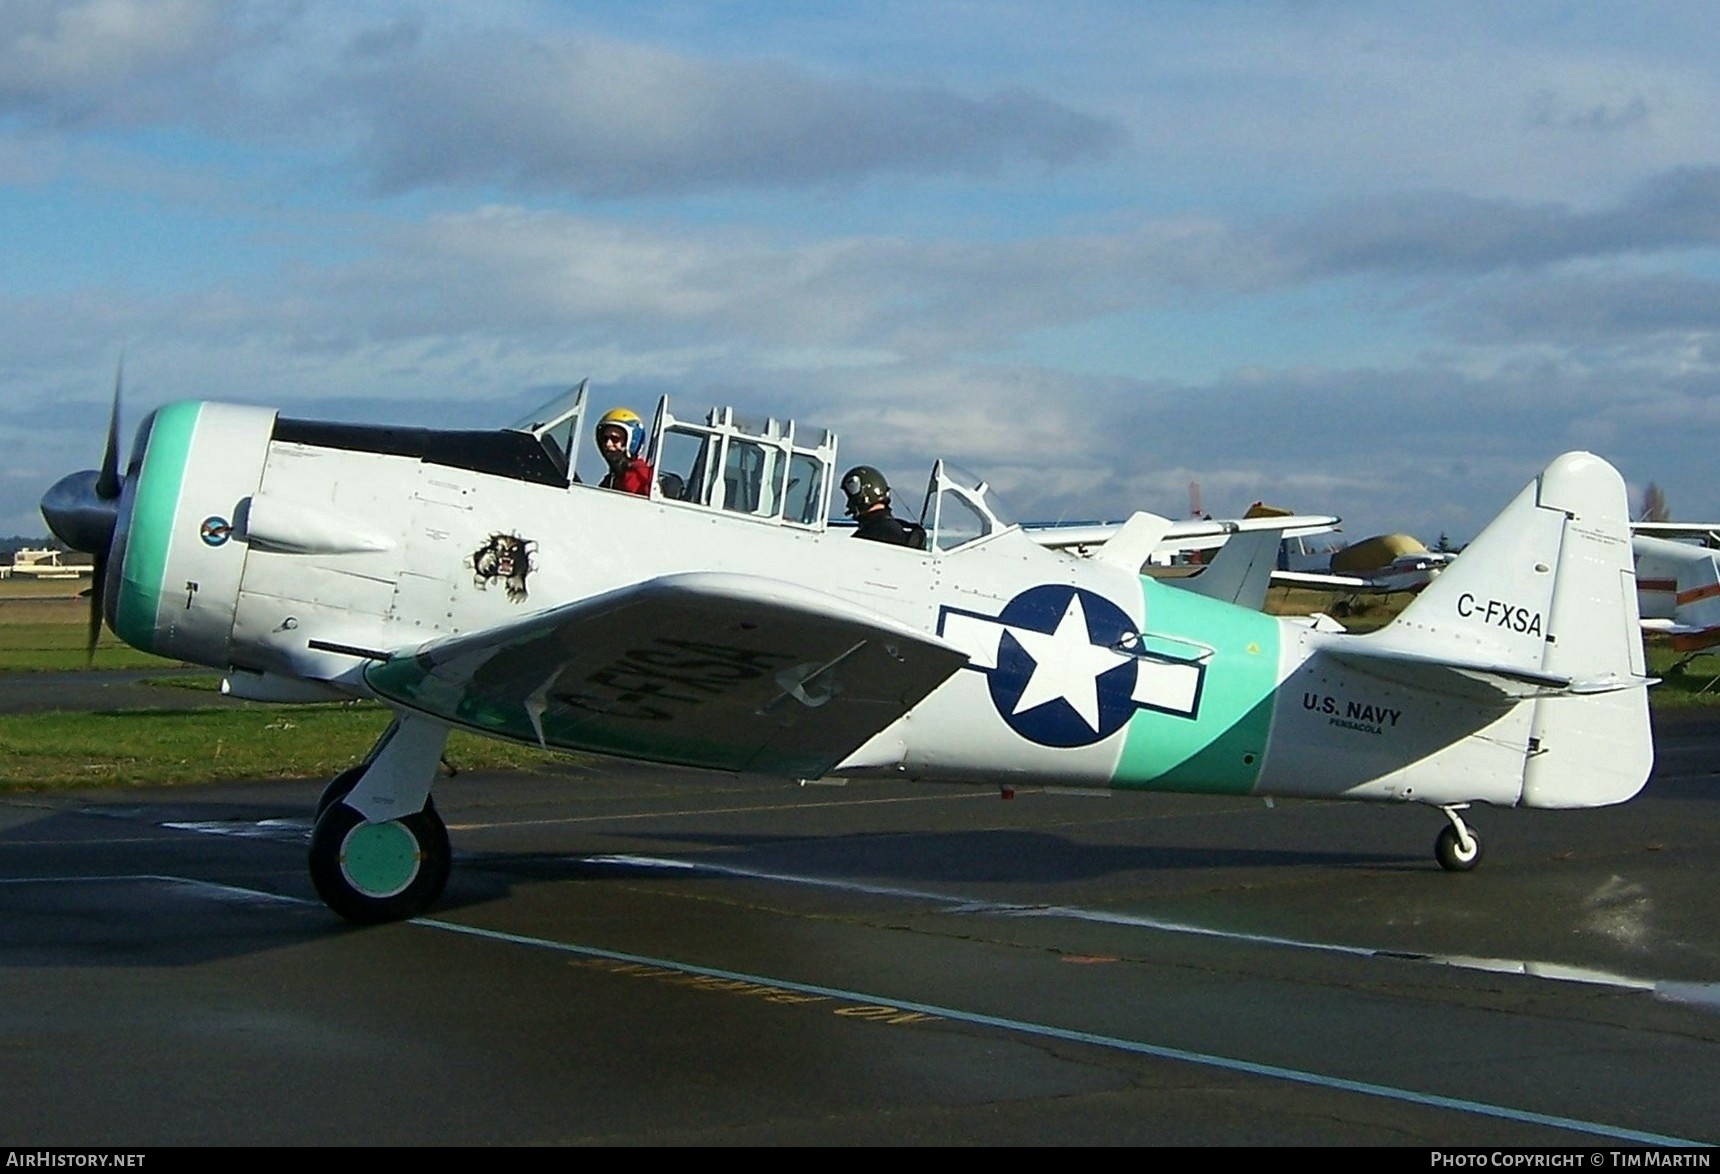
[(960, 508), (981, 492), (556, 425)]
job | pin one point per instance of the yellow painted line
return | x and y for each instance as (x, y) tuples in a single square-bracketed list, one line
[(866, 1006), (675, 975)]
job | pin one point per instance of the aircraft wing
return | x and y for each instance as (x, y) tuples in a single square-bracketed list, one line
[(731, 672), (1193, 530), (1323, 582), (1401, 576), (1665, 627), (1707, 531), (1190, 534), (1685, 637), (1059, 536)]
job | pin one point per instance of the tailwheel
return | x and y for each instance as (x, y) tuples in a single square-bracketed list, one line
[(375, 872), (1458, 849)]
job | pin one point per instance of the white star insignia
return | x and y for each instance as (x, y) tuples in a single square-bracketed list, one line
[(1067, 665)]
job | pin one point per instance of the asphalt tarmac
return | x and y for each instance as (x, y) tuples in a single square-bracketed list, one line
[(630, 955)]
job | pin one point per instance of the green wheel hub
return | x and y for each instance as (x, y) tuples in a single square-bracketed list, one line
[(380, 859)]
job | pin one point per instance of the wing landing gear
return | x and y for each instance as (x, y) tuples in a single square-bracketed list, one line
[(370, 864), (1458, 849), (375, 872)]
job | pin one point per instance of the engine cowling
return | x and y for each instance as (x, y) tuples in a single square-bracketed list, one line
[(174, 569)]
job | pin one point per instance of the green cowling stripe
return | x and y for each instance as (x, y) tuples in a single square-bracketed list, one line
[(1220, 750), (153, 512)]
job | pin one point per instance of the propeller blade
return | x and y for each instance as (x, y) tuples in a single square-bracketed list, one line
[(97, 585), (82, 509), (108, 483)]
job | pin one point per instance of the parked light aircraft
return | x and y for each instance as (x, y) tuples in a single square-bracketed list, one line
[(1184, 537), (1678, 583), (465, 579), (1382, 564)]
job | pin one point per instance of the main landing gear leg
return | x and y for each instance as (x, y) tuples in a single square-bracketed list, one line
[(1458, 849), (379, 851)]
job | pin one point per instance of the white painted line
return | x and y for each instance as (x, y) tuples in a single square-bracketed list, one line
[(1705, 995), (1025, 1027), (1137, 1047)]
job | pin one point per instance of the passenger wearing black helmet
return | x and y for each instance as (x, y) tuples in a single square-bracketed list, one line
[(869, 505)]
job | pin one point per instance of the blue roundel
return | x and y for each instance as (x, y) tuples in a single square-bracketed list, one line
[(215, 530), (1057, 720)]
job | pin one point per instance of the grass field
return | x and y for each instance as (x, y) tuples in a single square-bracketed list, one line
[(43, 630), (159, 747), (49, 637)]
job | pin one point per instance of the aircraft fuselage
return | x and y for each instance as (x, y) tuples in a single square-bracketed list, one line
[(289, 560)]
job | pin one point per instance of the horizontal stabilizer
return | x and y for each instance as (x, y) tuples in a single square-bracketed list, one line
[(1477, 680)]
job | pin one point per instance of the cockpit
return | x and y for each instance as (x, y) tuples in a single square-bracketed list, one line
[(765, 470)]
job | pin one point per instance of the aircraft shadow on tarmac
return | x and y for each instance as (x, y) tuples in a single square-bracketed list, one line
[(977, 857), (174, 897), (77, 893)]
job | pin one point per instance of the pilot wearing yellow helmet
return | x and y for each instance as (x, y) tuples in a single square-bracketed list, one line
[(620, 440)]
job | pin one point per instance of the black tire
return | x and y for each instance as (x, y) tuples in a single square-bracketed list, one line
[(1449, 852), (340, 787), (371, 873), (342, 784)]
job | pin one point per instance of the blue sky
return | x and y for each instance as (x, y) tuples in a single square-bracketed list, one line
[(1383, 260)]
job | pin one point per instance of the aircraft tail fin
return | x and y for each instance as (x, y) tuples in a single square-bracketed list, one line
[(1134, 541), (1546, 596), (1240, 572)]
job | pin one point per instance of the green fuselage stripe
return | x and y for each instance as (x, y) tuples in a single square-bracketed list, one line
[(1219, 750), (152, 521)]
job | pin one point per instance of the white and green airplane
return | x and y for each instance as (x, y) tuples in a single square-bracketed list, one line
[(469, 580)]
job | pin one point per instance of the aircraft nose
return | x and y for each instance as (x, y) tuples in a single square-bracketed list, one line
[(78, 514)]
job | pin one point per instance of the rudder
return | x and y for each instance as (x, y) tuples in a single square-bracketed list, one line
[(1590, 751)]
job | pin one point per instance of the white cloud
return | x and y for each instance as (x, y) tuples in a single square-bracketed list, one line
[(607, 118), (1489, 233), (428, 99), (70, 58)]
